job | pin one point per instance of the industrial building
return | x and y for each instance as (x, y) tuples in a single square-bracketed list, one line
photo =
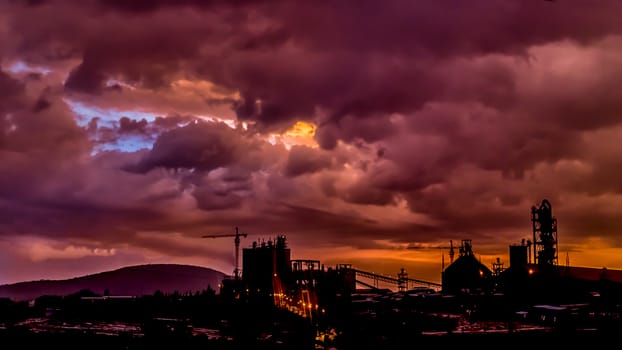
[(535, 274), (467, 273), (534, 294), (303, 286), (534, 277)]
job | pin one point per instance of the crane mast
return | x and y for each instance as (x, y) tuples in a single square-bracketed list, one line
[(237, 235)]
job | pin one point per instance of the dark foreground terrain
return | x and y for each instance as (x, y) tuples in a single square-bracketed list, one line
[(207, 320), (28, 340)]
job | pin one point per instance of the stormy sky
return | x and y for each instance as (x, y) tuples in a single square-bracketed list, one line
[(129, 129)]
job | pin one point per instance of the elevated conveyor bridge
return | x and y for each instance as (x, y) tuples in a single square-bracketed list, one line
[(401, 283)]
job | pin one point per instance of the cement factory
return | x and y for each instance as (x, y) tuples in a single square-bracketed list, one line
[(534, 292)]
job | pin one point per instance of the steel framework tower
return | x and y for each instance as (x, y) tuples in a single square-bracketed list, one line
[(544, 226)]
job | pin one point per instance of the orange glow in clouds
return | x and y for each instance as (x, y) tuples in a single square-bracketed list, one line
[(203, 88), (301, 133)]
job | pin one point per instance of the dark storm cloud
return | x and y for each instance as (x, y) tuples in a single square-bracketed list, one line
[(9, 87), (203, 146), (362, 193), (208, 199), (435, 119), (54, 188), (319, 227), (319, 220), (140, 6), (42, 173), (305, 160), (86, 79), (127, 125), (365, 56), (112, 131), (43, 124)]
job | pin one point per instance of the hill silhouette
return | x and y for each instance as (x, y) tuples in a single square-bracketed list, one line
[(132, 280)]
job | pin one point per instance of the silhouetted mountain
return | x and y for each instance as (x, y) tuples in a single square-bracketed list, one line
[(132, 280)]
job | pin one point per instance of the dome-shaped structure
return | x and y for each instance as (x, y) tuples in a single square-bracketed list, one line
[(466, 273)]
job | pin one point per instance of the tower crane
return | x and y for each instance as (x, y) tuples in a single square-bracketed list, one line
[(236, 240)]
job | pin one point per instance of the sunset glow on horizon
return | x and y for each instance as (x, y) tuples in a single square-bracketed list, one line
[(129, 129)]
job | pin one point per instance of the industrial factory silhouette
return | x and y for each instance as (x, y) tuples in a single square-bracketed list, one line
[(277, 302)]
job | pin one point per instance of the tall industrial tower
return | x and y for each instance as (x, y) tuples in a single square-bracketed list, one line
[(544, 234)]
